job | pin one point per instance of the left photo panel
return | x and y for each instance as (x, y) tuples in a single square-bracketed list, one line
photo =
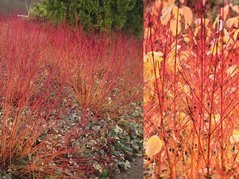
[(71, 89)]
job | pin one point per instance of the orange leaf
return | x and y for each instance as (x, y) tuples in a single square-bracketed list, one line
[(171, 1), (175, 11), (152, 59), (148, 93), (235, 8), (175, 27), (188, 15), (235, 137), (166, 13), (232, 22), (235, 35), (152, 55), (225, 10), (157, 4), (232, 70)]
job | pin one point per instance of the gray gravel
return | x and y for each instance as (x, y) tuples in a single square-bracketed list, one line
[(14, 6)]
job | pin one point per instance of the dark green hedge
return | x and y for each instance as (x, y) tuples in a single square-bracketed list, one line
[(102, 15)]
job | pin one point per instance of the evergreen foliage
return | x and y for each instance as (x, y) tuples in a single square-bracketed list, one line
[(101, 15)]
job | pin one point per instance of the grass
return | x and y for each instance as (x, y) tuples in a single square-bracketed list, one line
[(59, 87)]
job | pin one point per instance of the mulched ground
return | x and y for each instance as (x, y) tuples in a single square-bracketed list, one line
[(134, 172)]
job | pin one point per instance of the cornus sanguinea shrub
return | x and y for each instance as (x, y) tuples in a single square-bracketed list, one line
[(97, 69), (191, 90), (49, 74), (33, 141)]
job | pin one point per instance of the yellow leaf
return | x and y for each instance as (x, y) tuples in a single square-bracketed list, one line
[(216, 118), (154, 146), (235, 8), (166, 13), (149, 72), (156, 56), (182, 117), (236, 132), (175, 11), (225, 10), (186, 89), (147, 94), (188, 15), (184, 55), (235, 34), (226, 37), (171, 60), (235, 137), (232, 70), (151, 63), (175, 27), (216, 48), (186, 38), (232, 22)]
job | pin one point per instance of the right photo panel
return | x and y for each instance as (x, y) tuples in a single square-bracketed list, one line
[(191, 89)]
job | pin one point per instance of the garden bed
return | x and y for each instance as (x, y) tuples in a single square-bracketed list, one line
[(70, 102)]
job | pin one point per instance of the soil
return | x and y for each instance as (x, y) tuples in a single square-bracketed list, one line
[(134, 172)]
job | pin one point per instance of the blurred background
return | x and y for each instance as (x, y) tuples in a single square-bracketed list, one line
[(14, 6)]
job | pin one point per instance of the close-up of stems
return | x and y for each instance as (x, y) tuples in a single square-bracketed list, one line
[(191, 121)]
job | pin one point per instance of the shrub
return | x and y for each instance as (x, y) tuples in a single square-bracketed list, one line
[(93, 14), (57, 83), (191, 73), (98, 77), (33, 142)]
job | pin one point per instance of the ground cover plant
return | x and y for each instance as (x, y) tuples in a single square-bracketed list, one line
[(191, 90), (70, 102)]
